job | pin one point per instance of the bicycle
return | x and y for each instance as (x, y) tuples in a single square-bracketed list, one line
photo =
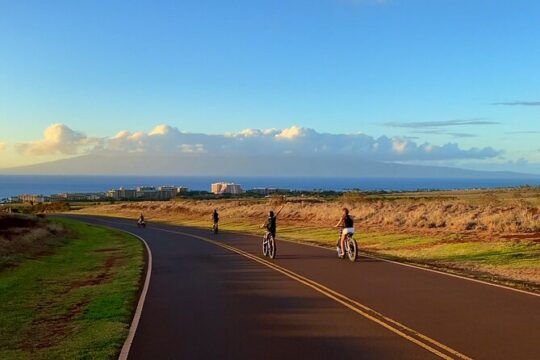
[(351, 248), (215, 228), (269, 245)]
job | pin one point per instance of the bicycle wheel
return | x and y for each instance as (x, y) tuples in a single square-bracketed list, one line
[(265, 246), (352, 251), (271, 247)]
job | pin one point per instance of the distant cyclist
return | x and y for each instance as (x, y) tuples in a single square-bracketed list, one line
[(140, 221), (215, 218), (347, 224)]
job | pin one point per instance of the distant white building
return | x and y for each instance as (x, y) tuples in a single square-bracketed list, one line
[(181, 189), (167, 192), (146, 193), (226, 188), (76, 197), (14, 199), (32, 198), (122, 194)]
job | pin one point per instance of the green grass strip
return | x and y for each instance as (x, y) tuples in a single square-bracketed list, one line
[(75, 303)]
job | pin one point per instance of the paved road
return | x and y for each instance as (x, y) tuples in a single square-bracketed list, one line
[(214, 297)]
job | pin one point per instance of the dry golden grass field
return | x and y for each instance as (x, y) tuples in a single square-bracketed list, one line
[(490, 234)]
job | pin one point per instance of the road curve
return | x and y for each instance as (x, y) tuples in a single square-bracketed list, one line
[(215, 297)]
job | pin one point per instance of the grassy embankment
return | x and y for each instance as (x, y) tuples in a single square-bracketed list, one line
[(67, 290), (489, 234)]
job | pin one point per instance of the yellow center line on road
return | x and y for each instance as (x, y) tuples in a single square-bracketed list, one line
[(413, 336), (394, 326)]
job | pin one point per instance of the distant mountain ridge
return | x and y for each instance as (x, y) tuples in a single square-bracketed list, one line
[(229, 165)]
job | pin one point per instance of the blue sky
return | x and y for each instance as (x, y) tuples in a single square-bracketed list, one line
[(430, 71)]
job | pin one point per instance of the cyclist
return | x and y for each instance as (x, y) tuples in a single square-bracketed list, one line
[(347, 225), (140, 220), (215, 218), (270, 224)]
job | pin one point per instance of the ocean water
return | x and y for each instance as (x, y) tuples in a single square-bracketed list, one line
[(11, 185)]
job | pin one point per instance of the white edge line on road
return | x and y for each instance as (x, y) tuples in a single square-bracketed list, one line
[(440, 272), (137, 316), (133, 328), (419, 268)]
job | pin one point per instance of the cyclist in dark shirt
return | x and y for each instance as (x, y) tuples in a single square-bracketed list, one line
[(215, 216), (215, 220), (270, 224), (347, 225)]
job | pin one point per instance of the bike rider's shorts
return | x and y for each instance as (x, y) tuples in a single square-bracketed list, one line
[(346, 231)]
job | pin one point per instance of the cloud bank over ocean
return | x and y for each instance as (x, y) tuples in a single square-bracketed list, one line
[(58, 138), (295, 140)]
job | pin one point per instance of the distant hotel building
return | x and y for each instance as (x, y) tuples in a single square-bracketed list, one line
[(146, 193), (32, 199), (38, 199), (172, 190), (140, 193), (181, 190), (76, 197), (226, 188), (122, 194)]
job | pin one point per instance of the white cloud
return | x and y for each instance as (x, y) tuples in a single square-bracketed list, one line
[(161, 130), (291, 133), (192, 148), (122, 134), (57, 138), (399, 146), (294, 140), (126, 141), (250, 133)]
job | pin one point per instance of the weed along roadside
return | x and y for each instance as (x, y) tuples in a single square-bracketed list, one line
[(74, 298)]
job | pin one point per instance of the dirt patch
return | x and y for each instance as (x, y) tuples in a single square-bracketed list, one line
[(107, 250), (103, 276), (49, 330), (535, 237)]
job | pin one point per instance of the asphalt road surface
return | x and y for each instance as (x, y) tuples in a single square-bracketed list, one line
[(216, 297)]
